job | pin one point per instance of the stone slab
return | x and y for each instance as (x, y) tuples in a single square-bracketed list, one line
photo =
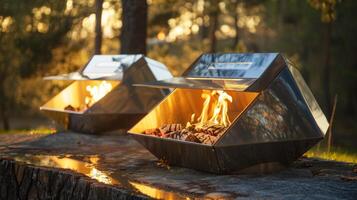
[(115, 166)]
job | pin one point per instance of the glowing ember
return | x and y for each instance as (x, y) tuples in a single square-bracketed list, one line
[(97, 92), (208, 127)]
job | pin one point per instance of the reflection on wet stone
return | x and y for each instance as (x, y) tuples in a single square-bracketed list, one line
[(133, 170)]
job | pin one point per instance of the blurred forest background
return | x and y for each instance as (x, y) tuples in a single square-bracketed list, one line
[(49, 37)]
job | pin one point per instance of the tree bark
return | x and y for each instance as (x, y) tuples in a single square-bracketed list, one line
[(98, 26), (214, 14), (134, 30)]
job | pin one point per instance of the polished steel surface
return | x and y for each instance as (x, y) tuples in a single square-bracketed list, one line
[(310, 100), (238, 158), (269, 74), (231, 65), (185, 154), (250, 72), (73, 95), (199, 83), (280, 113), (121, 108), (275, 117), (113, 67)]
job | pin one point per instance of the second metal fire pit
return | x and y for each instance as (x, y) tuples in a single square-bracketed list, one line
[(274, 116), (102, 97)]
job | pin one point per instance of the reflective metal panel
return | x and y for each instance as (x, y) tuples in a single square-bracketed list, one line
[(121, 107), (199, 83), (185, 154), (310, 100), (101, 66), (113, 67), (269, 75), (237, 158), (73, 95), (95, 123), (278, 114), (275, 117), (250, 72), (231, 65)]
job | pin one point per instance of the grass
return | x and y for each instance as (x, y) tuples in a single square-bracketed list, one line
[(336, 154), (29, 131)]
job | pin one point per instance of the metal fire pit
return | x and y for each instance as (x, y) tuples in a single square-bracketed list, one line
[(122, 107), (275, 117)]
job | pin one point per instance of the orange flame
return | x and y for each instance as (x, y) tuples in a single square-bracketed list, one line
[(217, 107), (97, 92)]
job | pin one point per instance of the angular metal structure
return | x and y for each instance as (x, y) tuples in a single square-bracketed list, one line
[(121, 107), (276, 117)]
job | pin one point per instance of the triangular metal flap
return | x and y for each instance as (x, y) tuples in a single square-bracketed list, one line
[(231, 65), (251, 72), (113, 67), (101, 67)]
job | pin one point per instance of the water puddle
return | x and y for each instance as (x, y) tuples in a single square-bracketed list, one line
[(87, 165)]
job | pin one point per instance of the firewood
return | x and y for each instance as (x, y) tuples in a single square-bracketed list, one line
[(192, 138), (206, 134), (174, 135), (152, 131), (166, 128), (205, 138)]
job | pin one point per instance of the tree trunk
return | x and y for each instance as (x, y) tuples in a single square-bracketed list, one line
[(236, 18), (4, 117), (98, 26), (326, 72), (133, 33), (214, 14)]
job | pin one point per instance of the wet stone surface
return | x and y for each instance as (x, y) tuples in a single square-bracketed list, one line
[(115, 166)]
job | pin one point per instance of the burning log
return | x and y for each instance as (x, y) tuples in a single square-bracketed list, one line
[(170, 127), (207, 129), (205, 138), (207, 134)]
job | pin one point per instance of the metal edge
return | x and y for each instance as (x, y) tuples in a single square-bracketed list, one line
[(303, 92), (187, 71), (267, 76)]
